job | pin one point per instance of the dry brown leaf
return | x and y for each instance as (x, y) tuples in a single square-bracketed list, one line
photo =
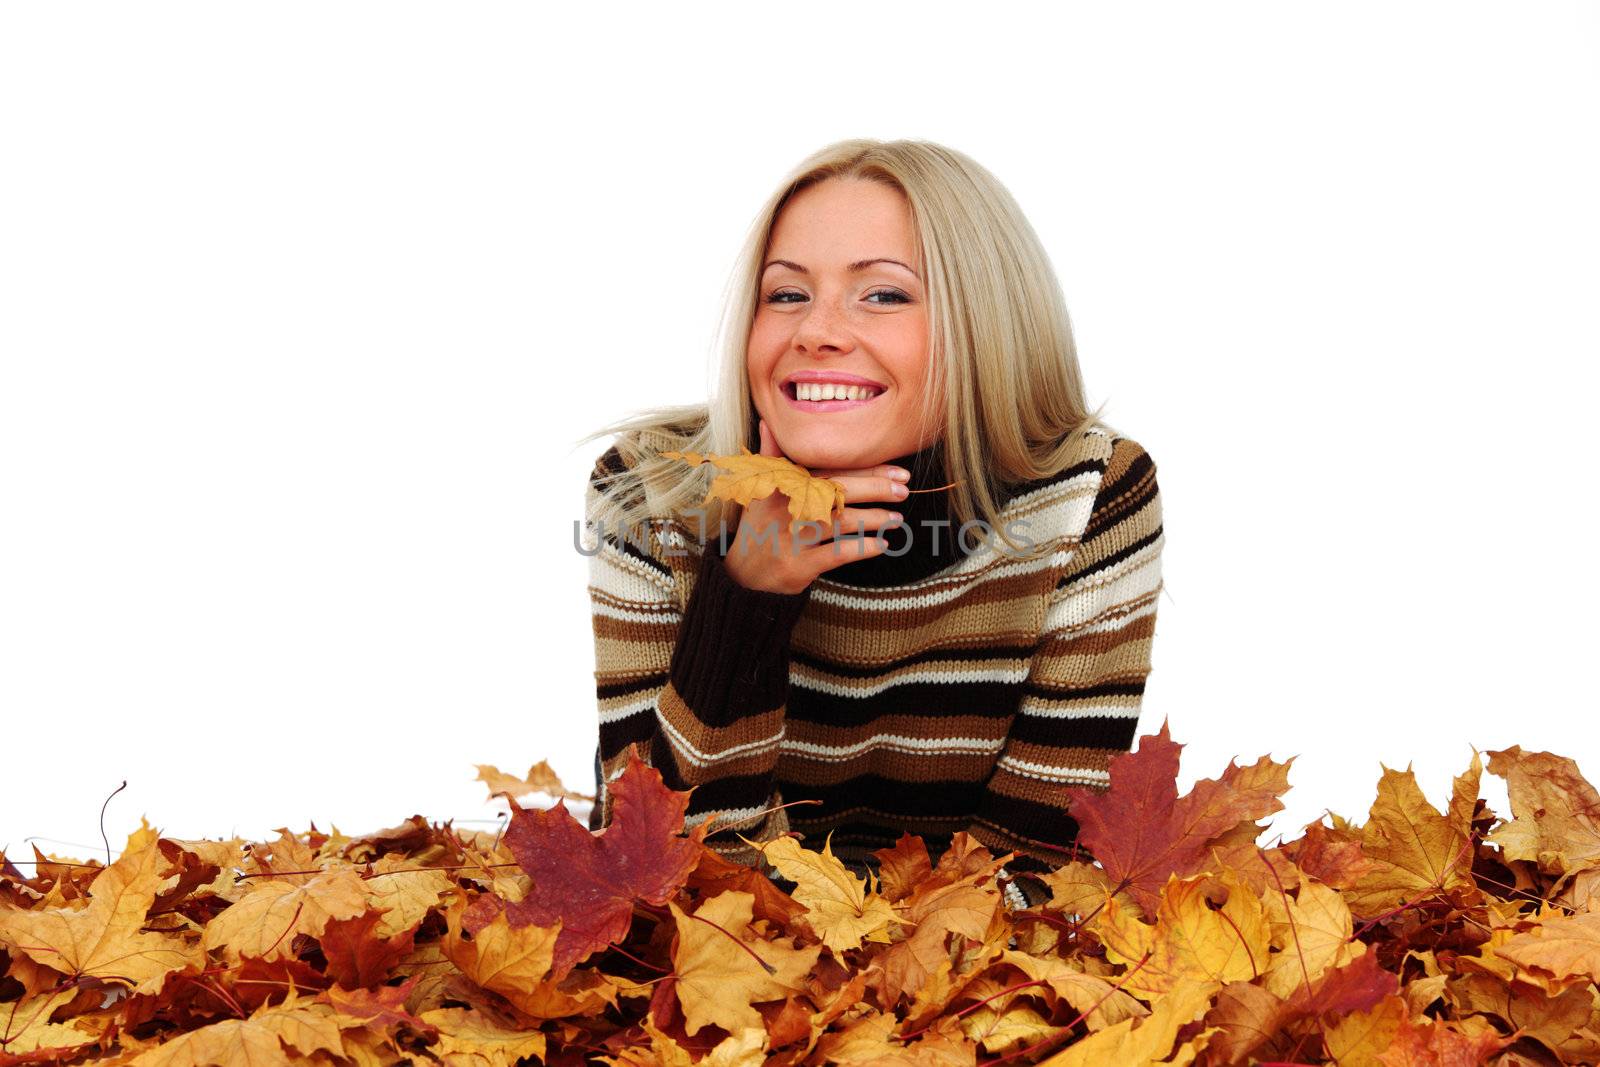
[(1189, 939), (1139, 1043), (539, 779), (839, 908), (105, 938), (1417, 852), (1556, 811), (723, 967), (265, 921), (752, 477), (1422, 937)]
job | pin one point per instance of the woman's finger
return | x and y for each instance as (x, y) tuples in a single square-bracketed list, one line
[(856, 520), (882, 470), (870, 488)]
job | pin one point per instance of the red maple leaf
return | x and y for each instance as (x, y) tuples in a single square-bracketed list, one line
[(357, 957), (589, 881), (1141, 831), (1357, 986), (380, 1010)]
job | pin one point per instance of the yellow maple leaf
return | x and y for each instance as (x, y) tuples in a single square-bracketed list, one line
[(1189, 939), (495, 1042), (539, 779), (265, 921), (747, 1048), (722, 972), (1103, 1002), (405, 891), (105, 939), (510, 960), (752, 477), (1557, 812), (1358, 1039), (838, 906), (1312, 934), (1127, 1045), (1550, 1020), (296, 1024), (1002, 1030), (866, 1040), (1077, 887), (957, 907), (1425, 1042), (1565, 948), (25, 1025), (1416, 851)]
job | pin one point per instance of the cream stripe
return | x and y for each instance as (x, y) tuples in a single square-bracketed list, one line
[(1109, 613), (622, 576), (1084, 602), (705, 759), (865, 689), (724, 815), (1032, 705), (1048, 773), (895, 742), (1065, 487), (828, 592), (623, 711), (623, 614)]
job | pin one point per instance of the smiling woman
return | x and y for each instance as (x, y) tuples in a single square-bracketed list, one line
[(949, 660), (827, 320)]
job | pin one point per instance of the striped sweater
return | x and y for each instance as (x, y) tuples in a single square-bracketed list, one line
[(944, 685)]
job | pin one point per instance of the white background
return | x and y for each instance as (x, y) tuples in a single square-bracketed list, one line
[(302, 308)]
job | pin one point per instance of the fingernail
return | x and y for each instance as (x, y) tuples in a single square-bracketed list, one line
[(901, 492), (899, 474)]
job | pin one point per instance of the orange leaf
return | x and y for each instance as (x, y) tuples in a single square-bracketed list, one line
[(752, 477)]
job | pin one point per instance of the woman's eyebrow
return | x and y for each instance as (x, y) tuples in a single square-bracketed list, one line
[(853, 268)]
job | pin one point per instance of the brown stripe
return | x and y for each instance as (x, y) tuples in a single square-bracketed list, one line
[(713, 739), (1073, 660)]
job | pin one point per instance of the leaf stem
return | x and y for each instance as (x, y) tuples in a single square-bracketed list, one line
[(103, 836), (765, 966), (971, 1008), (1066, 1028)]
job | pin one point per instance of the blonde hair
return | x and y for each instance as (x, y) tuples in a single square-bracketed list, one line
[(1000, 345)]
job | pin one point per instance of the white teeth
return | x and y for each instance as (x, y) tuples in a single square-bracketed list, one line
[(830, 391)]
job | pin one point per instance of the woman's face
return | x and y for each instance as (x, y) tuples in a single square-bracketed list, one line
[(822, 318)]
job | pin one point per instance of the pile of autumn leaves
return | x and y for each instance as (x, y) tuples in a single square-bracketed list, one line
[(1421, 937)]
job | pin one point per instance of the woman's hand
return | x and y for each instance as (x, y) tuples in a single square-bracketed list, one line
[(766, 555)]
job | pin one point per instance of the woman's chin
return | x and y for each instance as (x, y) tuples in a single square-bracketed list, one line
[(814, 444)]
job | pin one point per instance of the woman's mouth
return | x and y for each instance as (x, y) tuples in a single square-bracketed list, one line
[(820, 397)]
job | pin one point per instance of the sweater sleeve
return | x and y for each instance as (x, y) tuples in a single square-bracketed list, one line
[(692, 668), (1085, 684)]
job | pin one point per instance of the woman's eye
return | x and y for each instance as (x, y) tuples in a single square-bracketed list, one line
[(779, 296)]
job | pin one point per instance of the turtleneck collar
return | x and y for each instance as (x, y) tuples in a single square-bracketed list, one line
[(928, 544)]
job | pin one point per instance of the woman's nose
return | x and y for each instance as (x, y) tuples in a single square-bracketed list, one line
[(823, 326)]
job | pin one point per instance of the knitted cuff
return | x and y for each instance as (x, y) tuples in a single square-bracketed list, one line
[(1025, 891), (731, 658), (1027, 872)]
